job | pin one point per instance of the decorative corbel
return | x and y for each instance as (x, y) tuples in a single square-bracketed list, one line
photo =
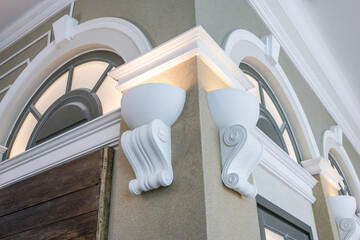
[(150, 110), (2, 151), (236, 112), (343, 208)]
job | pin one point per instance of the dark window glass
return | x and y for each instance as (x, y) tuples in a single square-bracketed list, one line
[(78, 92), (272, 120), (344, 186), (276, 224)]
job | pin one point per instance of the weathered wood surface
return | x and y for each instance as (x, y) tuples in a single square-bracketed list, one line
[(55, 210), (81, 227), (66, 178), (70, 201)]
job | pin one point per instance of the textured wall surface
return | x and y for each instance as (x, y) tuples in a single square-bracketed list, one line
[(325, 221), (284, 197)]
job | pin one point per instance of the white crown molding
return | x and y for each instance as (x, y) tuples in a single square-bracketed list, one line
[(194, 42), (322, 166), (100, 132), (29, 21), (341, 107), (279, 164), (240, 150)]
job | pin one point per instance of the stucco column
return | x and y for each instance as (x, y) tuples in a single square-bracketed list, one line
[(327, 186), (196, 205)]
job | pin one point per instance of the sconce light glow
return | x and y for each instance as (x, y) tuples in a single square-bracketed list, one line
[(150, 110)]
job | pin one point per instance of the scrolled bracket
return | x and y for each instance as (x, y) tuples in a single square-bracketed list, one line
[(349, 228), (148, 149), (240, 154)]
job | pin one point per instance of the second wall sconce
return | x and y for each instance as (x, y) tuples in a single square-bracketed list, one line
[(236, 112)]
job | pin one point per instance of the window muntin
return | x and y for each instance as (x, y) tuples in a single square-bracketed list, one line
[(344, 186), (272, 120), (86, 73)]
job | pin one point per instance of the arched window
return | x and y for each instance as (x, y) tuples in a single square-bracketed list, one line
[(76, 93), (272, 120), (344, 186)]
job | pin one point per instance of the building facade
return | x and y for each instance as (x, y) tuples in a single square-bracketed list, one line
[(219, 115)]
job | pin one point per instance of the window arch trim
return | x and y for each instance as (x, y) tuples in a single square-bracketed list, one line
[(111, 34), (241, 44)]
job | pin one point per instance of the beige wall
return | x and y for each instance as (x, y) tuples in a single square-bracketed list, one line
[(284, 197), (160, 20), (325, 221)]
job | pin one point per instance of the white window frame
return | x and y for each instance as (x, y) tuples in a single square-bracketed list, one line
[(111, 34)]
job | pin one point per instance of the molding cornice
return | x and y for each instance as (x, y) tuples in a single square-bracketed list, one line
[(322, 166), (29, 21), (279, 164), (342, 112), (195, 42), (103, 131)]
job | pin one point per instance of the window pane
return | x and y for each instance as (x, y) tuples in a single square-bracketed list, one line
[(86, 75), (109, 96), (270, 106), (56, 90), (255, 91), (23, 135), (270, 235), (289, 145)]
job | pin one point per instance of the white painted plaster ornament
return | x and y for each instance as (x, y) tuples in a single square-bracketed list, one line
[(150, 110), (236, 112), (343, 208)]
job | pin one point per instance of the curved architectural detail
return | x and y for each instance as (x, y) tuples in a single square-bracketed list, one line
[(343, 208), (241, 45), (148, 149), (112, 34), (2, 151), (332, 142), (150, 109), (348, 226), (240, 150)]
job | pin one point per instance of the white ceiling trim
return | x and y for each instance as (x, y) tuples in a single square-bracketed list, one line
[(29, 21), (343, 111)]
